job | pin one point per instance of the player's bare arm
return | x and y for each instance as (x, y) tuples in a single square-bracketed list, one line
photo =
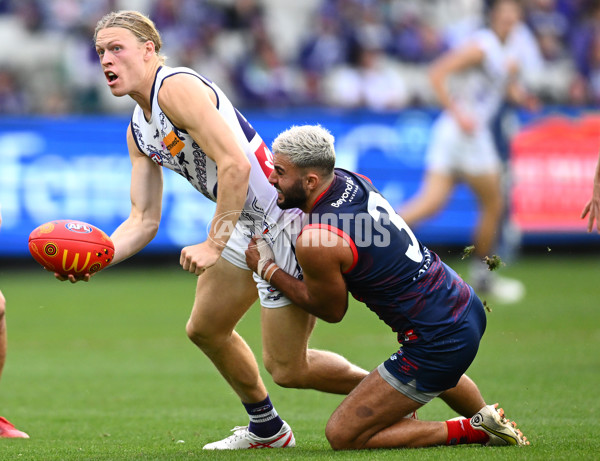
[(322, 292), (191, 105), (146, 202), (452, 63), (592, 208)]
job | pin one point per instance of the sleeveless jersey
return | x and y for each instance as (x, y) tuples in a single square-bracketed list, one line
[(481, 90), (173, 148), (394, 274)]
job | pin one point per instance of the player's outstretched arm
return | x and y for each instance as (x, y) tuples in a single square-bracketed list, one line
[(146, 202), (592, 208), (188, 104)]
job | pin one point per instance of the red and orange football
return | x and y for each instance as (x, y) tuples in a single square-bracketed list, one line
[(71, 247)]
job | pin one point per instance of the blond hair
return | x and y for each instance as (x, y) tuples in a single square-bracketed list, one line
[(141, 26), (307, 146)]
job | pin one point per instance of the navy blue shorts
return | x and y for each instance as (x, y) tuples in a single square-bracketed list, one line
[(437, 366)]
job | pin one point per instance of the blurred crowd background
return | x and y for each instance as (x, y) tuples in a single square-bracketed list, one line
[(286, 53)]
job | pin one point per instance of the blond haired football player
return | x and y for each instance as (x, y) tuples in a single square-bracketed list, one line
[(184, 122)]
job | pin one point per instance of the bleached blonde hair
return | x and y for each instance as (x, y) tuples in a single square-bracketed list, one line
[(307, 146)]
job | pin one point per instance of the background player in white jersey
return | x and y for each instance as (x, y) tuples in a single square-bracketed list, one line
[(184, 122), (7, 430), (483, 70), (593, 205)]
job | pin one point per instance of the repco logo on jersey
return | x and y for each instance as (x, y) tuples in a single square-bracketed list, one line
[(79, 228)]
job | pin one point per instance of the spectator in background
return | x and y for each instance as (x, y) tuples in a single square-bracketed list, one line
[(263, 79), (325, 48), (462, 148), (13, 100), (584, 49), (7, 430)]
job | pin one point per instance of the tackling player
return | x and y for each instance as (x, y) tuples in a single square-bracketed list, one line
[(184, 122), (353, 241), (7, 430)]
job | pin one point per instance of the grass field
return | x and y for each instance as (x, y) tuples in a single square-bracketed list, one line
[(104, 370)]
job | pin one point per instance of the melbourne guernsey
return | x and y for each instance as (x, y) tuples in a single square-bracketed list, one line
[(394, 274)]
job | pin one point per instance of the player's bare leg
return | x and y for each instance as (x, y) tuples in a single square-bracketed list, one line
[(432, 196), (2, 332), (464, 398), (488, 190), (373, 416), (286, 331), (223, 295), (7, 430)]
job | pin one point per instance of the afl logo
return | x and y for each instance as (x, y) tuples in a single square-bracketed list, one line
[(156, 158), (78, 227)]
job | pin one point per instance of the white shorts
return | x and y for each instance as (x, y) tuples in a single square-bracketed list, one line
[(283, 242), (454, 152)]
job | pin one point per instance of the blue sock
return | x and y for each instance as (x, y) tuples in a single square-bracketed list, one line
[(264, 420)]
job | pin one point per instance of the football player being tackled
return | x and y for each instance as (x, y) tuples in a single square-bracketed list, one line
[(184, 122)]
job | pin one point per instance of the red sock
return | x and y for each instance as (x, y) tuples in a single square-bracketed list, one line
[(460, 431)]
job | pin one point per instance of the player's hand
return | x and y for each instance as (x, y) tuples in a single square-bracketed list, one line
[(197, 258), (259, 255), (593, 209), (466, 123), (72, 278)]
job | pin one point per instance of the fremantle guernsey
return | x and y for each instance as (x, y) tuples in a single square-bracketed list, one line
[(173, 148), (396, 276)]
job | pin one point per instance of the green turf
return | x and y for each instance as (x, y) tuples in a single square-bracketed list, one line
[(104, 370)]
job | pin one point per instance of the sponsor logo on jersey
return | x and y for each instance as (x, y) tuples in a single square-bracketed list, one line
[(265, 159), (348, 194), (79, 228), (173, 143)]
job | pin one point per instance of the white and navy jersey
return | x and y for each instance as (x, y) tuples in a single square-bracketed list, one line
[(480, 90), (173, 148), (394, 274)]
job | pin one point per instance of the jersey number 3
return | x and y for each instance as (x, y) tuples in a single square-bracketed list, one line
[(377, 201)]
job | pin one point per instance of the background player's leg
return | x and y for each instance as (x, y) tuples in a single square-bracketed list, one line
[(2, 332), (432, 196), (286, 331), (488, 190), (7, 430), (223, 295)]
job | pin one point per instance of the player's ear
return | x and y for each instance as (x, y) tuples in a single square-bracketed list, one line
[(312, 180), (149, 49)]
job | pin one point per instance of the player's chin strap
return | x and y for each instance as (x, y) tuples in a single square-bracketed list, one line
[(266, 266)]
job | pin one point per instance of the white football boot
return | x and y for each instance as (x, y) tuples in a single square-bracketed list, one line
[(501, 431), (243, 438)]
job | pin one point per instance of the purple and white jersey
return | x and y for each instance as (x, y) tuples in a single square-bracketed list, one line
[(174, 148)]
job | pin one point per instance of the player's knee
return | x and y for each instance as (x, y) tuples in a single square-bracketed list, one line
[(338, 438), (2, 305), (200, 334), (283, 374)]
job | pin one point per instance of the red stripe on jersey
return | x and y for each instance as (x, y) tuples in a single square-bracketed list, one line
[(342, 234), (265, 159), (366, 178)]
